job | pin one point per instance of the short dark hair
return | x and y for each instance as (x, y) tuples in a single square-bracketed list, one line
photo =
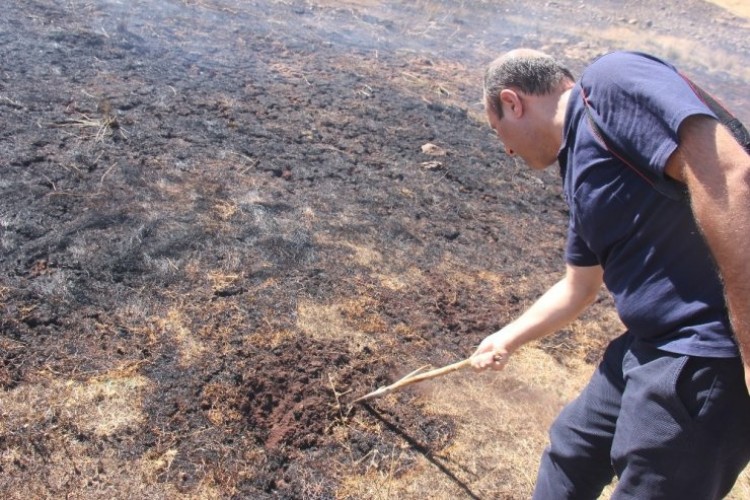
[(533, 73)]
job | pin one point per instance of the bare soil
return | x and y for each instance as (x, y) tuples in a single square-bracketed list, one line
[(218, 225)]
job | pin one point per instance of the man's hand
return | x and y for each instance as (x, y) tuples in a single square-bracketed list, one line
[(491, 353)]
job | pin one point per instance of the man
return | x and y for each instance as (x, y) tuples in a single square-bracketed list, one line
[(659, 197)]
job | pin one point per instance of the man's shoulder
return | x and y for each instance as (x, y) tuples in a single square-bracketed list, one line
[(626, 56), (624, 65)]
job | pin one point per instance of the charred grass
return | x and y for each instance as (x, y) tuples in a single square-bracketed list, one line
[(219, 225)]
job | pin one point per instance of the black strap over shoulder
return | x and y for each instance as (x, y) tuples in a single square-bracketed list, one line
[(730, 121), (667, 186)]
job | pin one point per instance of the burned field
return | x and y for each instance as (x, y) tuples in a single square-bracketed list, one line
[(223, 221)]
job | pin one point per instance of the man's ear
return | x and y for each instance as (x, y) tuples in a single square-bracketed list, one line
[(510, 100)]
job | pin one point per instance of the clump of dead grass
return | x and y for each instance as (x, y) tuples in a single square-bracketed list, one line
[(357, 320)]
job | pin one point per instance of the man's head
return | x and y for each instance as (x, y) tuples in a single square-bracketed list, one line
[(522, 91)]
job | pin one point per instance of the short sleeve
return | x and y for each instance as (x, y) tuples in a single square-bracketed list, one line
[(641, 102), (577, 252)]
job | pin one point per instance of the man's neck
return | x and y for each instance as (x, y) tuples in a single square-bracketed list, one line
[(562, 107)]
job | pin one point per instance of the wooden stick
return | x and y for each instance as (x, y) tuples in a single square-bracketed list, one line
[(412, 378)]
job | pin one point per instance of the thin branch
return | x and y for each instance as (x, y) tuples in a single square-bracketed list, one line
[(412, 378)]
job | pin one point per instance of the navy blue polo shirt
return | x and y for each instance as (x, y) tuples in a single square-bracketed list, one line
[(656, 263)]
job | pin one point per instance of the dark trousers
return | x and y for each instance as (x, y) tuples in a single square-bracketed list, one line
[(669, 426)]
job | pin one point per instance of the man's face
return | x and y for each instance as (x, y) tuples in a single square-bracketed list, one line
[(516, 132)]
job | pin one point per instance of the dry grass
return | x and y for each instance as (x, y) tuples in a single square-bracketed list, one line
[(356, 320), (175, 329), (679, 49), (101, 405), (93, 128), (738, 7)]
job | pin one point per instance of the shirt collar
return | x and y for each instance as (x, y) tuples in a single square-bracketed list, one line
[(568, 134)]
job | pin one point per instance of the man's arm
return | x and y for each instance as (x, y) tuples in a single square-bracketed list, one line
[(559, 305), (716, 170)]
